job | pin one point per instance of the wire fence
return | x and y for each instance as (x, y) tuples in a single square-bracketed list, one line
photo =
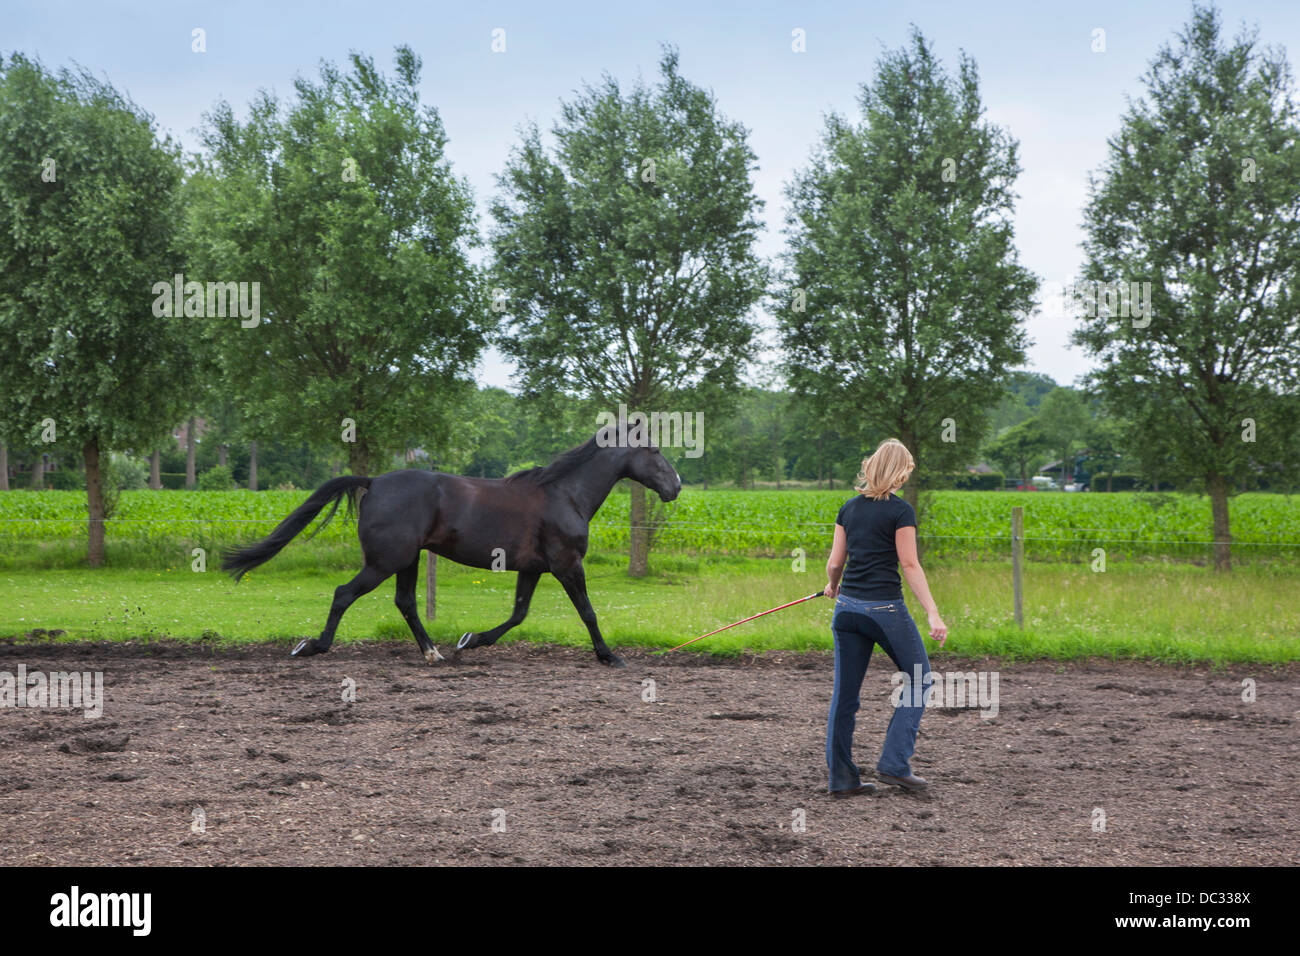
[(145, 542), (149, 529)]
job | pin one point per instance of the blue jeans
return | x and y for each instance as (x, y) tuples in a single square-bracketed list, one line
[(857, 626)]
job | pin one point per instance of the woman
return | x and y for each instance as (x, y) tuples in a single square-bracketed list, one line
[(876, 532)]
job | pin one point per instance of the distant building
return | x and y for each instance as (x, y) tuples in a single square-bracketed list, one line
[(181, 433)]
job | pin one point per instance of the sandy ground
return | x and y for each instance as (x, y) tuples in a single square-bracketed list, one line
[(524, 754)]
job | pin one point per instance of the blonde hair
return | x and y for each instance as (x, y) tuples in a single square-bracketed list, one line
[(885, 469)]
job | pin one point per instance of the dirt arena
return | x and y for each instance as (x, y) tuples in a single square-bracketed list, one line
[(523, 754)]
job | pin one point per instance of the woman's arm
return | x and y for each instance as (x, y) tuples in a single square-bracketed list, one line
[(835, 566), (905, 544)]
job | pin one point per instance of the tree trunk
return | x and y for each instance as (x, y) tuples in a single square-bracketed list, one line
[(4, 467), (638, 565), (38, 472), (912, 490), (1110, 476), (252, 466), (155, 471), (1218, 488), (190, 448), (95, 503), (358, 459), (222, 451)]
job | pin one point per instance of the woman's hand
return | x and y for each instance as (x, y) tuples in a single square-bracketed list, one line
[(938, 630), (831, 590)]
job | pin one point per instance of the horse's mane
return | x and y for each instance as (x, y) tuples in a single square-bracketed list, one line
[(561, 466)]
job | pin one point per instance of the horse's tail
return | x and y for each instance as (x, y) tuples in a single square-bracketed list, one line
[(240, 562)]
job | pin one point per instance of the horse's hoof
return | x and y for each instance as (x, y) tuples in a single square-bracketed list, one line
[(466, 640), (305, 648), (613, 661), (432, 655)]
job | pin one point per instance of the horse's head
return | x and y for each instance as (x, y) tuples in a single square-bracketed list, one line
[(647, 465)]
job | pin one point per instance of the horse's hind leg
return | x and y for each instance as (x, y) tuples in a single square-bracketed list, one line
[(365, 582), (525, 584), (405, 601)]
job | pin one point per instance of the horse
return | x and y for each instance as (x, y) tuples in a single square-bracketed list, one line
[(533, 522)]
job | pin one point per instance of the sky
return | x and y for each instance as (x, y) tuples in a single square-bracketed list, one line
[(1041, 78)]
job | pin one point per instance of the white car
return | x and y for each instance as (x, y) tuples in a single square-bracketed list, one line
[(1044, 483)]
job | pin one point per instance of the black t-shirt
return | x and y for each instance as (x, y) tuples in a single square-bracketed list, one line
[(872, 570)]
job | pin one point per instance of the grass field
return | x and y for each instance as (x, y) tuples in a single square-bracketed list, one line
[(1170, 612), (159, 530), (726, 555)]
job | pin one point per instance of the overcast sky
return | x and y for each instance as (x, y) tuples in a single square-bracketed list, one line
[(1040, 78)]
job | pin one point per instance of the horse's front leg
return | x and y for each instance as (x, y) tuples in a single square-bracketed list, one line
[(574, 580), (525, 584)]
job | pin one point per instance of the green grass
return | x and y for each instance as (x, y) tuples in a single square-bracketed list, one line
[(725, 555), (159, 530), (1166, 612)]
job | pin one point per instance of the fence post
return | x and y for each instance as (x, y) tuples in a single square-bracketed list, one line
[(431, 587), (1018, 560)]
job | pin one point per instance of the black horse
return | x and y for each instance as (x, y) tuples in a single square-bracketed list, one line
[(532, 522)]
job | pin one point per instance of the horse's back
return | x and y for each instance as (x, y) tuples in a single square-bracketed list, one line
[(481, 522)]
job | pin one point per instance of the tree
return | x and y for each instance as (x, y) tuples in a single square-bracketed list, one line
[(88, 199), (627, 254), (1199, 199), (1024, 394), (1106, 441), (741, 445), (344, 210), (816, 445), (494, 412), (1018, 447), (1063, 420), (903, 296)]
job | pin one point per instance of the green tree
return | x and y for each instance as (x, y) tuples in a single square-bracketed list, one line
[(345, 210), (1023, 396), (627, 254), (741, 443), (1199, 197), (88, 202), (494, 414), (1063, 420), (903, 296), (1017, 449), (816, 445), (1105, 438)]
